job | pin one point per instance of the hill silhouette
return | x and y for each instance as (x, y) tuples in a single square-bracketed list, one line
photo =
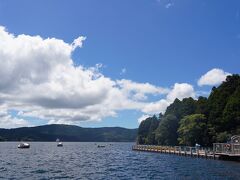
[(68, 133)]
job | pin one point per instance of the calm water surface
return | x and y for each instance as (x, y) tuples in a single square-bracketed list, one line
[(115, 161)]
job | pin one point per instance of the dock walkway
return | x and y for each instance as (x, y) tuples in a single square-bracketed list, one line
[(178, 150), (223, 151)]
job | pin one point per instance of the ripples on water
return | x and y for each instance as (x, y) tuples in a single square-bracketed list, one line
[(115, 161)]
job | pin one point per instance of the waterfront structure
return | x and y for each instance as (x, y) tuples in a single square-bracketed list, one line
[(224, 151)]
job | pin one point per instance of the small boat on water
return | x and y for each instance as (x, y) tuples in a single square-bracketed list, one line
[(100, 146), (24, 145), (59, 144)]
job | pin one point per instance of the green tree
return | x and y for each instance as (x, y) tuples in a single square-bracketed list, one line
[(166, 133), (192, 130), (201, 105), (221, 108), (181, 108), (231, 113), (223, 137), (146, 134), (221, 119), (217, 101)]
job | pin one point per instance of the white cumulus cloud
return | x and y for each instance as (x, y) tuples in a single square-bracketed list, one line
[(8, 121), (139, 90), (156, 107), (78, 42), (213, 77), (180, 91), (39, 80)]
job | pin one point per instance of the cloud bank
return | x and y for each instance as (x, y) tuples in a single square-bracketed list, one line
[(39, 80)]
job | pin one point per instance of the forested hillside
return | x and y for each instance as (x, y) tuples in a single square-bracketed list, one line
[(68, 133), (202, 121)]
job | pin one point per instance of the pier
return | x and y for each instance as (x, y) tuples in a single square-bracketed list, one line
[(221, 151), (178, 150)]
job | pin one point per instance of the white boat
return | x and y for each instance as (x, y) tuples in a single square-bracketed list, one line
[(23, 145), (60, 144)]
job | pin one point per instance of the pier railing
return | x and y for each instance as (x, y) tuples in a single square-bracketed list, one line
[(227, 148), (174, 148), (179, 150), (227, 151), (219, 151)]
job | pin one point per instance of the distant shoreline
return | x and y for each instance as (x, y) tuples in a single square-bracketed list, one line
[(68, 133)]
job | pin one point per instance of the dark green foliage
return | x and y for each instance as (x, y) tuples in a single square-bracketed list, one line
[(174, 108), (170, 121), (223, 109), (218, 99), (231, 113), (223, 137), (69, 133), (146, 134), (192, 130), (203, 121), (164, 130), (166, 133), (182, 108), (201, 105)]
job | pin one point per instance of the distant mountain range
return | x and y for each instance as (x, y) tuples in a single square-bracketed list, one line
[(69, 133)]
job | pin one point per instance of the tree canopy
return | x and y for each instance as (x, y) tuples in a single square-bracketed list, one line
[(203, 121), (146, 130), (192, 130), (166, 133)]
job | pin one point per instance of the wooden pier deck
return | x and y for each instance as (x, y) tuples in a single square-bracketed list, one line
[(223, 151), (178, 150), (187, 151)]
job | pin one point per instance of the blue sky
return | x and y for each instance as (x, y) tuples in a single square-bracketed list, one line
[(159, 42)]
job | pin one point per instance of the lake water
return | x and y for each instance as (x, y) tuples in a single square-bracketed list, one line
[(115, 161)]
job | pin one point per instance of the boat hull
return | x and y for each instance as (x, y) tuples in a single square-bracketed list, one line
[(59, 145), (23, 146)]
